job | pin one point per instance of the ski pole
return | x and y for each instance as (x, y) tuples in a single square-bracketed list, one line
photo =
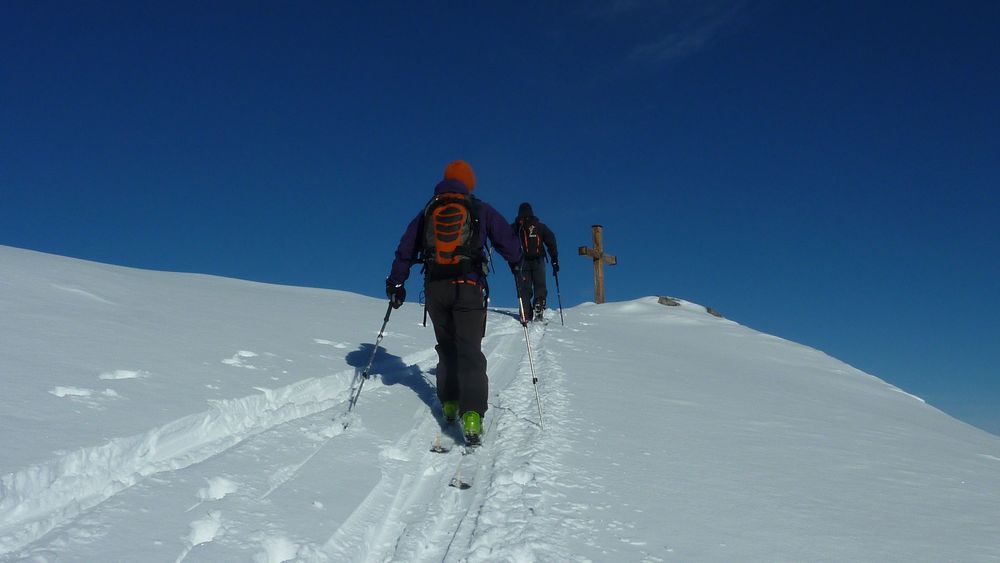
[(489, 252), (424, 303), (559, 297), (364, 373), (486, 303), (527, 342)]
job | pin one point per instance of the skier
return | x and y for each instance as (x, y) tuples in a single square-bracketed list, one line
[(449, 235), (535, 238)]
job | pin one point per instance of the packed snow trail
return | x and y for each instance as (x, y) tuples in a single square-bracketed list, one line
[(413, 515)]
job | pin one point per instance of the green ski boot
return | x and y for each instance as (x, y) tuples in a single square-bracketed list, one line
[(450, 409), (472, 427)]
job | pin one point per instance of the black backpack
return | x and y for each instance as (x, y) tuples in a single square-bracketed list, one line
[(530, 235), (451, 247)]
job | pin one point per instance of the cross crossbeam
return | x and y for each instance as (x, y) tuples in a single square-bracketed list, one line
[(600, 259)]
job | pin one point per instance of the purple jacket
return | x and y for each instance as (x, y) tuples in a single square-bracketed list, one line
[(491, 223)]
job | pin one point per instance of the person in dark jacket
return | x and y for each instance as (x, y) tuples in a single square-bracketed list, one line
[(455, 298), (537, 243)]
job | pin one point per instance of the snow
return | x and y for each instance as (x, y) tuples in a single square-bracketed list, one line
[(155, 416)]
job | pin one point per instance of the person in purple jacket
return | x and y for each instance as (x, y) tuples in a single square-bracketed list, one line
[(449, 237)]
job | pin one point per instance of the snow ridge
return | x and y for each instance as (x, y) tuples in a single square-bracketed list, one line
[(36, 499)]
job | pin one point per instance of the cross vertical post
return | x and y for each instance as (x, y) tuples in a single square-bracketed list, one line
[(600, 259)]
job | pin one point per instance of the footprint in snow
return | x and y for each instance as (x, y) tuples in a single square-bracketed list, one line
[(523, 477), (202, 531), (89, 397), (61, 391), (206, 529), (331, 343), (124, 374), (218, 488), (238, 359)]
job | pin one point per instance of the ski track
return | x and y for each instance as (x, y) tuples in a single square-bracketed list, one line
[(508, 513), (408, 495), (40, 498), (512, 510)]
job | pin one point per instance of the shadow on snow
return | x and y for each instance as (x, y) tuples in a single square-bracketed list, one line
[(392, 370)]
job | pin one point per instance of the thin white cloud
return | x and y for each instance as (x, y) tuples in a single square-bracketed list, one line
[(680, 28), (688, 36)]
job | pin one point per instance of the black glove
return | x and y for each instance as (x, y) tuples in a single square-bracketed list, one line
[(555, 267), (396, 294)]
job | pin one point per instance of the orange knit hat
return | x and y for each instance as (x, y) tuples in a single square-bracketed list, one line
[(461, 171)]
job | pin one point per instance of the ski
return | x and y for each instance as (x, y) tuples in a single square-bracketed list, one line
[(446, 436), (440, 446), (450, 437), (465, 472)]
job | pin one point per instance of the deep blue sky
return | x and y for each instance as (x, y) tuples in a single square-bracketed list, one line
[(823, 171)]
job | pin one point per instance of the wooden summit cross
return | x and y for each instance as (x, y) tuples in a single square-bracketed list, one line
[(600, 259)]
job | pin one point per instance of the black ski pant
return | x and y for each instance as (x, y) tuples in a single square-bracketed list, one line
[(458, 312), (533, 290)]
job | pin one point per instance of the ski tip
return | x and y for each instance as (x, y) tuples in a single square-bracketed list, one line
[(459, 484)]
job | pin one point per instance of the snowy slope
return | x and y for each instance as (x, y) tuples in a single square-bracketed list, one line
[(151, 416)]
